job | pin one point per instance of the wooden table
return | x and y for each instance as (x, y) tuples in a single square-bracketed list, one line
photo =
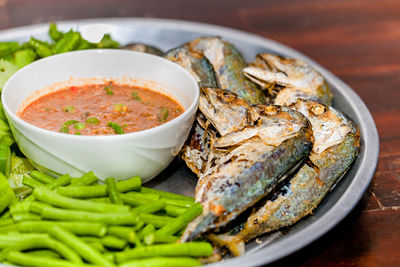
[(357, 40)]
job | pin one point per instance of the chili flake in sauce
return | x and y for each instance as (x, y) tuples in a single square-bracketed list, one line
[(101, 109)]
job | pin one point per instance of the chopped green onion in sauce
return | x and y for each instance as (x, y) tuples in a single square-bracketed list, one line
[(116, 127), (109, 89), (163, 114), (92, 120), (135, 96), (120, 108), (64, 129), (69, 109), (67, 123), (80, 126)]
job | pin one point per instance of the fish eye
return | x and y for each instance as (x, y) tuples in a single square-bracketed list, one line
[(317, 109), (228, 97), (270, 110)]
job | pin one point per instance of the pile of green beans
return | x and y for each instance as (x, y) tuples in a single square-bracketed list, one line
[(83, 222)]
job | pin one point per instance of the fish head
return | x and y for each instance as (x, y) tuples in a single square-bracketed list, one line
[(275, 73), (329, 126), (225, 110)]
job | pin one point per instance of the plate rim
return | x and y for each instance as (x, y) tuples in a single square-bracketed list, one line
[(362, 177)]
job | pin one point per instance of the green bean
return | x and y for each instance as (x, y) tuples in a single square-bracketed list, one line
[(6, 215), (182, 220), (24, 57), (146, 230), (100, 199), (97, 245), (150, 208), (78, 228), (189, 249), (139, 225), (37, 207), (112, 218), (84, 44), (99, 190), (152, 238), (113, 242), (135, 199), (32, 183), (83, 249), (178, 202), (112, 191), (108, 241), (8, 228), (126, 233), (24, 206), (109, 256), (24, 259), (60, 181), (68, 42), (7, 48), (44, 242), (16, 237), (42, 177), (165, 194), (54, 33), (156, 220), (44, 253), (41, 48), (107, 42), (174, 211), (5, 222), (163, 262), (142, 195), (47, 196), (88, 178), (26, 216)]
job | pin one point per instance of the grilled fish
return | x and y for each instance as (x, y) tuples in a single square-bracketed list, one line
[(228, 64), (275, 73), (139, 47), (254, 151), (336, 145)]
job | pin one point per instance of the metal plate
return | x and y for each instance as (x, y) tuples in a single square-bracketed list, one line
[(177, 178)]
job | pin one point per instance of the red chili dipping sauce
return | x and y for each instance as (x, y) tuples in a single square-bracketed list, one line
[(101, 109)]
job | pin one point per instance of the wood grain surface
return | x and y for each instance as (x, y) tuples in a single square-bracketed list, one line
[(357, 40)]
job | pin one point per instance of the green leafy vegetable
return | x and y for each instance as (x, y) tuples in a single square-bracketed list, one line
[(7, 69)]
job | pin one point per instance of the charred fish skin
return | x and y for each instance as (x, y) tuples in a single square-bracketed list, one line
[(228, 64), (196, 63), (196, 149), (248, 172), (145, 48), (275, 73), (303, 193)]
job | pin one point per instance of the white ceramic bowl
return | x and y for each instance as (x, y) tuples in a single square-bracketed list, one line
[(145, 153)]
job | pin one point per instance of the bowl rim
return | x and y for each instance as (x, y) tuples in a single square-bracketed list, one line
[(154, 130)]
